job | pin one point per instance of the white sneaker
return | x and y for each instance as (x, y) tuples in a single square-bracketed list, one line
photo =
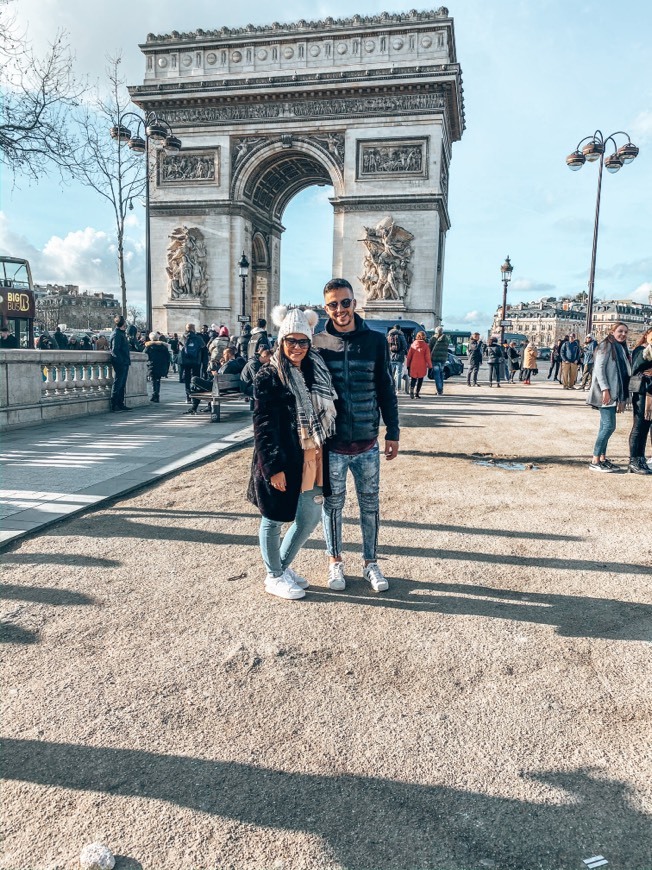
[(283, 587), (297, 579), (375, 576), (336, 580)]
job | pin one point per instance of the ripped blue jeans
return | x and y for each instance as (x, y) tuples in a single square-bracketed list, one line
[(365, 468)]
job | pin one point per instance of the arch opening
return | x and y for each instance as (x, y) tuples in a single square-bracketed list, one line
[(307, 252)]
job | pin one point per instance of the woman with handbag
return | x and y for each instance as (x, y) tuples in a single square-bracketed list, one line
[(419, 363), (530, 355), (641, 388), (294, 414), (609, 390)]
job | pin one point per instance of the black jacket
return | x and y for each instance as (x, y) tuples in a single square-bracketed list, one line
[(401, 344), (119, 348), (248, 376), (158, 358), (276, 448), (495, 354), (475, 351), (359, 365)]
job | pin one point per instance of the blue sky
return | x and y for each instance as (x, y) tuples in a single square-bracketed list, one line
[(538, 77)]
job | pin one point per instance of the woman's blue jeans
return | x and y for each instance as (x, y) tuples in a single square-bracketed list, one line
[(606, 430), (278, 555)]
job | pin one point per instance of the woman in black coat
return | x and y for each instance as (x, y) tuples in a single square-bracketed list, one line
[(294, 414)]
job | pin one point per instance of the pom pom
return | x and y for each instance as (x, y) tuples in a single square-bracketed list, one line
[(278, 314), (312, 317)]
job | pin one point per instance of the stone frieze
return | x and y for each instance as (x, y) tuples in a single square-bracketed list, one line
[(392, 158)]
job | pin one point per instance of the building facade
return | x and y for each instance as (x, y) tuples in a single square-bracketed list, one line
[(548, 320), (65, 305), (368, 105)]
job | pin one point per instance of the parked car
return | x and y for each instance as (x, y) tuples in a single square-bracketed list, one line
[(544, 353), (453, 366)]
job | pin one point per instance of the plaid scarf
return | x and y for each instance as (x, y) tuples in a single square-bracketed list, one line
[(316, 407)]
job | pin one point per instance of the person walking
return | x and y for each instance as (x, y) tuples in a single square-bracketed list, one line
[(530, 362), (474, 352), (191, 357), (358, 360), (588, 357), (609, 391), (555, 360), (158, 363), (397, 352), (418, 364), (569, 352), (174, 350), (494, 360), (294, 415), (641, 388), (439, 355), (121, 360)]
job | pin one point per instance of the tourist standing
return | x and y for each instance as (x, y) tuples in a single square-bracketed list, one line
[(418, 364), (609, 390), (191, 357), (530, 362), (8, 340), (439, 355), (259, 338), (358, 360), (570, 353), (158, 363), (588, 357), (474, 352), (174, 350), (242, 344), (641, 388), (397, 351), (60, 339), (249, 372), (555, 359), (494, 360), (121, 360), (294, 414), (513, 360)]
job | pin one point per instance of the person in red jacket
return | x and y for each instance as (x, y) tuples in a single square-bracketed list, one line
[(418, 363)]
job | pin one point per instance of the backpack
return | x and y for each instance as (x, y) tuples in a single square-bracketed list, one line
[(394, 343), (192, 348)]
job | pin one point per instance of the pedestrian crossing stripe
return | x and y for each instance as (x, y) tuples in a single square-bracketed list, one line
[(596, 861)]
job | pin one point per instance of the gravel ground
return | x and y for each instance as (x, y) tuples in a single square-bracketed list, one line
[(491, 710)]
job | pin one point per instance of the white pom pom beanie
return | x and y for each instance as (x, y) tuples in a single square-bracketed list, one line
[(294, 321)]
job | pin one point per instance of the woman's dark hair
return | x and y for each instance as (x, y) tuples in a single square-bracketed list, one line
[(119, 321), (643, 338), (337, 284)]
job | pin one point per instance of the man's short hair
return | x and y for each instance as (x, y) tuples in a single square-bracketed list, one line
[(4, 329), (337, 284), (262, 323), (119, 320), (190, 327)]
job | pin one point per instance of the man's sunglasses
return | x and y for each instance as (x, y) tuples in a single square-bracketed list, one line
[(344, 303), (297, 342)]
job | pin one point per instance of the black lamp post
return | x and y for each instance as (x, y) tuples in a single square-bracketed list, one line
[(243, 271), (160, 133), (594, 150), (506, 275)]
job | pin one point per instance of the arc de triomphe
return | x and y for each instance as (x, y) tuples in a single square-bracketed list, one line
[(369, 105)]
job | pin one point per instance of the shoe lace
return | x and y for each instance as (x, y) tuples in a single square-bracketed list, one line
[(336, 570), (374, 572)]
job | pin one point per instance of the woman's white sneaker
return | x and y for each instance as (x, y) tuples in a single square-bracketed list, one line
[(297, 579), (283, 587), (375, 576), (336, 580)]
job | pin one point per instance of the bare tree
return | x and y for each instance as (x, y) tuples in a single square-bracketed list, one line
[(136, 317), (101, 163), (36, 96)]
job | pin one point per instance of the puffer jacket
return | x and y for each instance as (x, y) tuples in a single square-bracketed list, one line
[(359, 365), (439, 349), (158, 358), (418, 359), (495, 354), (530, 357), (120, 348)]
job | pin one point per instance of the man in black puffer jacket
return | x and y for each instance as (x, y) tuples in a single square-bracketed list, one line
[(358, 360)]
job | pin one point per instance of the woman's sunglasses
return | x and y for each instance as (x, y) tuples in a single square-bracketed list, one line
[(344, 303), (297, 342)]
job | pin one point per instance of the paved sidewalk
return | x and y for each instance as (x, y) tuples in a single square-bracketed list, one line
[(56, 470)]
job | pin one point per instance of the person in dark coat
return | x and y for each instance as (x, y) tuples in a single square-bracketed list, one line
[(294, 415), (242, 344), (60, 339), (158, 363), (474, 352), (121, 360), (640, 386), (249, 372), (495, 359), (7, 340)]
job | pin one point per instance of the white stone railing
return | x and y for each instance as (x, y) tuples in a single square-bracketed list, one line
[(37, 386)]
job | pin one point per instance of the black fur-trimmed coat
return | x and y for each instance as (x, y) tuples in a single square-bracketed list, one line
[(276, 448)]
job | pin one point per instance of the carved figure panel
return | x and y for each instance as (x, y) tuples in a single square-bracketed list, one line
[(391, 158), (186, 268), (386, 266), (188, 168)]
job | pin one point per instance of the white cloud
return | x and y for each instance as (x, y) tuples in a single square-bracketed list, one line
[(643, 293), (642, 127), (527, 285), (471, 318)]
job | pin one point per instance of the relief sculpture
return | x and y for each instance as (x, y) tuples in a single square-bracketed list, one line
[(188, 167), (407, 159), (386, 268), (186, 266)]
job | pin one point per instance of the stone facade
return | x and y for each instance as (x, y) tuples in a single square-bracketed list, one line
[(370, 106), (56, 304), (546, 321)]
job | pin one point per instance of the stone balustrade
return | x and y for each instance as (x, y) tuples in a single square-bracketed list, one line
[(38, 386)]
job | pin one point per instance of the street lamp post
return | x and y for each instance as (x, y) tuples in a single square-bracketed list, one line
[(594, 149), (506, 275), (243, 271), (161, 134)]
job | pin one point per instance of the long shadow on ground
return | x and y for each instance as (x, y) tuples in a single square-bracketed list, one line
[(369, 823)]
